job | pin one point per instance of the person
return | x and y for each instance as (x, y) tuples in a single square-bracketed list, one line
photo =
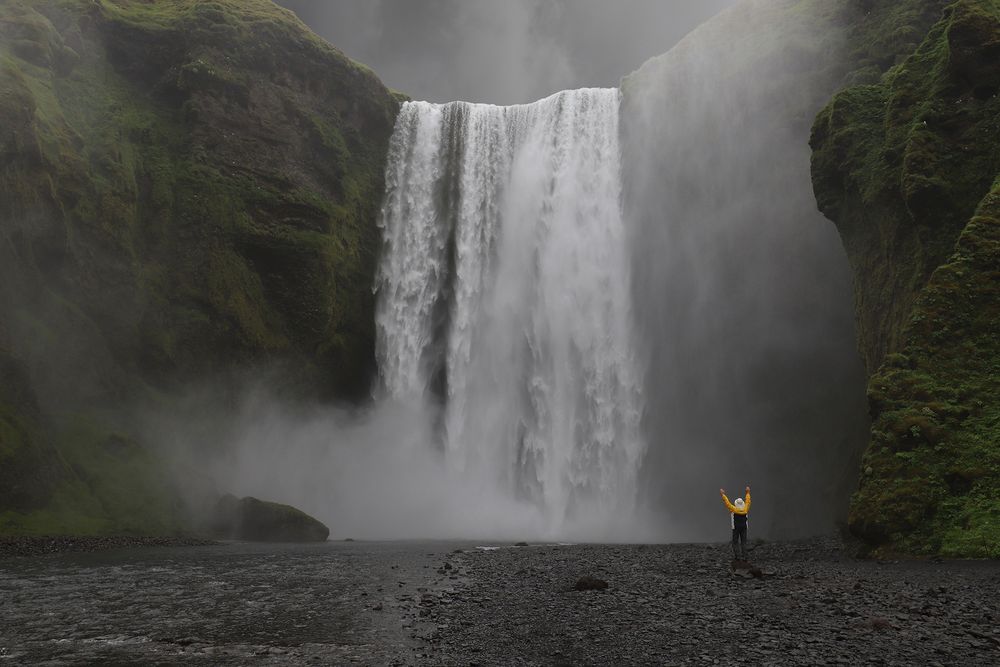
[(739, 520)]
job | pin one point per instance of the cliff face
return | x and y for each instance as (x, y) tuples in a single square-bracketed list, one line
[(907, 166), (187, 190)]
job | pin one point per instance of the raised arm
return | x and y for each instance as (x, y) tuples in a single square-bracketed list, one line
[(729, 505), (748, 498)]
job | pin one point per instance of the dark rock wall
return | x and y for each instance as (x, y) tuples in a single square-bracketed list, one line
[(188, 190), (906, 166)]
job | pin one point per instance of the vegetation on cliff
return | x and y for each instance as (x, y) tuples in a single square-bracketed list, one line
[(187, 189), (906, 165)]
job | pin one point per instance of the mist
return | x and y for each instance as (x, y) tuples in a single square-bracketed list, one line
[(742, 288), (508, 52), (739, 300), (374, 472)]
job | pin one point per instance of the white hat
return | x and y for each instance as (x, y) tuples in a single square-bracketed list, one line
[(739, 503)]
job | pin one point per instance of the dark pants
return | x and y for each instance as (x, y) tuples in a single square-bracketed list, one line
[(740, 543)]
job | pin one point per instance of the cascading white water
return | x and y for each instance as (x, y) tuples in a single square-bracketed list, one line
[(504, 293)]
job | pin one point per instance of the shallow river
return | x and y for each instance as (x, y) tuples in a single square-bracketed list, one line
[(331, 603)]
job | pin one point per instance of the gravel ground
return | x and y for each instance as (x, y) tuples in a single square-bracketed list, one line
[(461, 604), (683, 604), (331, 603), (37, 546)]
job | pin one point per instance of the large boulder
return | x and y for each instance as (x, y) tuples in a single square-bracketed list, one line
[(262, 521)]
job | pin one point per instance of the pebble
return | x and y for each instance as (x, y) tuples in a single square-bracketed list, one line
[(675, 604)]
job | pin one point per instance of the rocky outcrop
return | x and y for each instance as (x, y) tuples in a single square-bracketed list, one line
[(907, 167), (187, 191), (256, 520)]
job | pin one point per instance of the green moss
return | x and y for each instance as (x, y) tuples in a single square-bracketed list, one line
[(188, 189), (114, 486), (73, 510), (15, 434), (154, 192), (936, 466), (906, 167)]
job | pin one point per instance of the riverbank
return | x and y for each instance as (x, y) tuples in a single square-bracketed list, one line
[(434, 603), (683, 604), (13, 546)]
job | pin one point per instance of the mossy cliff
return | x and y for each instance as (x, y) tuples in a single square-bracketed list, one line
[(906, 165), (188, 190)]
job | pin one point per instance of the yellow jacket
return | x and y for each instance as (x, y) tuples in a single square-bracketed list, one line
[(732, 508)]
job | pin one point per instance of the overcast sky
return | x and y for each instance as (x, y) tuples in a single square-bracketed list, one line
[(502, 51)]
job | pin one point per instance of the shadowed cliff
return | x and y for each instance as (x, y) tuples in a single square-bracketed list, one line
[(906, 165), (188, 190)]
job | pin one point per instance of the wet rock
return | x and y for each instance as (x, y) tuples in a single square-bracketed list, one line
[(590, 584), (747, 570), (879, 623), (35, 546), (256, 520)]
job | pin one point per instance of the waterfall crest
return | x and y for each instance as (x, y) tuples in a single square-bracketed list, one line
[(504, 296)]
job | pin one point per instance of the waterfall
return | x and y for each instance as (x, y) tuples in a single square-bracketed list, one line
[(504, 296)]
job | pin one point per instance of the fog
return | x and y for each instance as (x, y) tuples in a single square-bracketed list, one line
[(740, 292), (374, 472), (502, 52), (742, 289)]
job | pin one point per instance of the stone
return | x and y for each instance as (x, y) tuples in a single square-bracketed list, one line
[(589, 583), (257, 520)]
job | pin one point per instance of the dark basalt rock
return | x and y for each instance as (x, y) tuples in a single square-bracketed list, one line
[(747, 570), (262, 521), (33, 546), (590, 584)]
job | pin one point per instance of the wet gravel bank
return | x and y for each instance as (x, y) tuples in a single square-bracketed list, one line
[(36, 546), (414, 603), (229, 604), (682, 604)]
